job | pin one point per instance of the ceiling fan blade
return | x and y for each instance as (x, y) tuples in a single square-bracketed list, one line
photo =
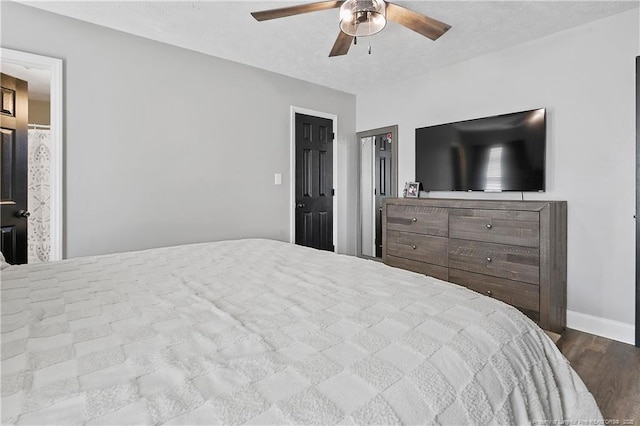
[(295, 10), (342, 45), (417, 22)]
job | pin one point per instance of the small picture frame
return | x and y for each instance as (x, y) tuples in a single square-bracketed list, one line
[(413, 189)]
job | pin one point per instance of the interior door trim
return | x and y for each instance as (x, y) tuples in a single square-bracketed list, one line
[(292, 172), (394, 174), (637, 201), (54, 66)]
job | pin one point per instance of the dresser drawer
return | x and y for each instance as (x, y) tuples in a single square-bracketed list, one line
[(420, 247), (440, 272), (497, 260), (418, 219), (520, 228), (517, 250), (521, 295)]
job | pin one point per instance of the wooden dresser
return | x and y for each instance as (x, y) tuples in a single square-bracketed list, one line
[(515, 251)]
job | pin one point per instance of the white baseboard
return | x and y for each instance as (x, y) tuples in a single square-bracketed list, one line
[(610, 329)]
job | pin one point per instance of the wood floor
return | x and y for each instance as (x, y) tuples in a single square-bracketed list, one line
[(611, 371)]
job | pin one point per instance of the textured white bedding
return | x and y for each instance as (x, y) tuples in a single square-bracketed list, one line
[(259, 331)]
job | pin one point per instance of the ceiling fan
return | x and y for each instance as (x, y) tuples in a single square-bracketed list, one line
[(361, 18)]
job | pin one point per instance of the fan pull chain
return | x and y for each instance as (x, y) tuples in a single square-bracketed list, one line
[(355, 41), (369, 49)]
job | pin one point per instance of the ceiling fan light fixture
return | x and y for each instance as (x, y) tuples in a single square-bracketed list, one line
[(361, 18)]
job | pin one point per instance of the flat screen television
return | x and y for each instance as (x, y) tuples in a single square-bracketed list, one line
[(492, 154)]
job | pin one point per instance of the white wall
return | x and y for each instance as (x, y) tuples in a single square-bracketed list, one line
[(167, 146), (585, 77)]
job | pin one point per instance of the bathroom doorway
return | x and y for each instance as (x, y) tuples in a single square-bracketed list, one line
[(378, 179), (45, 148)]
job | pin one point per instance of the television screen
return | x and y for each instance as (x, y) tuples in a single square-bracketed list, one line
[(493, 154)]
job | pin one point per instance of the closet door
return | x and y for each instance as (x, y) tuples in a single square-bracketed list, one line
[(314, 182)]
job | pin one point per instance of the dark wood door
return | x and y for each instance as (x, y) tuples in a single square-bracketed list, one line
[(13, 176), (383, 181), (314, 182)]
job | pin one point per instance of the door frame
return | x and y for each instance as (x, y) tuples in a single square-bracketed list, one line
[(54, 66), (637, 201), (292, 171), (394, 175)]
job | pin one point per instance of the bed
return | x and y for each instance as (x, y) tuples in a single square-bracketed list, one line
[(265, 332)]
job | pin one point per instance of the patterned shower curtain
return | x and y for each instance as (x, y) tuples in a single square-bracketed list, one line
[(39, 195)]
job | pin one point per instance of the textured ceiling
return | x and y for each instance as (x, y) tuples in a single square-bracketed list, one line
[(298, 46)]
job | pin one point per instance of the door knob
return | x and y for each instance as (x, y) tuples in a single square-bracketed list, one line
[(23, 213), (300, 205)]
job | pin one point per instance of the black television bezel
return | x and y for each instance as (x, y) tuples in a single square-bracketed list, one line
[(544, 162)]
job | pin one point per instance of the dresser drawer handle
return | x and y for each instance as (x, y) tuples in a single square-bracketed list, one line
[(488, 259), (415, 219), (489, 293), (489, 226), (413, 246)]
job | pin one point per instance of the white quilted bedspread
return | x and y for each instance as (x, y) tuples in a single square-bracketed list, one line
[(259, 331)]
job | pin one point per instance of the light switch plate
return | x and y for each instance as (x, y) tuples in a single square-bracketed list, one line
[(278, 179)]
